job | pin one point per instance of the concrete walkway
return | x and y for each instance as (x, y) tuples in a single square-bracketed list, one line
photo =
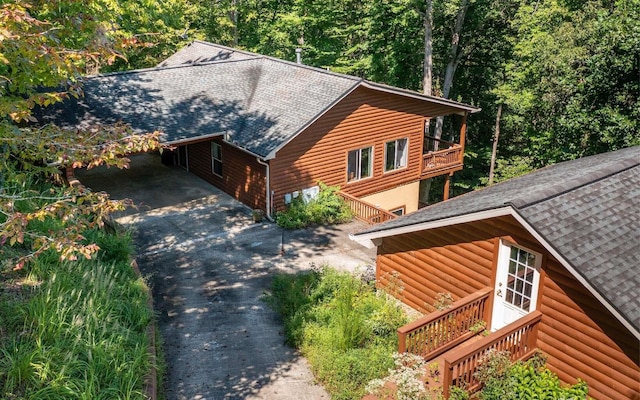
[(209, 265)]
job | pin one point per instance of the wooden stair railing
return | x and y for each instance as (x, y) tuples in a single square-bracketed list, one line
[(366, 212), (440, 331), (518, 338)]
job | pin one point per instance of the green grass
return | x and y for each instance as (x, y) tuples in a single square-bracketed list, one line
[(77, 330), (344, 327)]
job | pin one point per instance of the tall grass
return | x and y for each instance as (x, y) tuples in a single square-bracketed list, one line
[(346, 330), (80, 333)]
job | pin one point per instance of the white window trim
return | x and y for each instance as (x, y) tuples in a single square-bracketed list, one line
[(213, 159), (371, 158), (406, 154)]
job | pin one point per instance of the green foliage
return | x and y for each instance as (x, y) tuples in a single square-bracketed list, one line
[(78, 330), (344, 328), (326, 208), (503, 379)]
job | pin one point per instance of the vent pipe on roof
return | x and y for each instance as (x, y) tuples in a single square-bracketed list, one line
[(298, 55)]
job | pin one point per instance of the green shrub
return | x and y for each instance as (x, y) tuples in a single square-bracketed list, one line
[(345, 329), (503, 379), (327, 208)]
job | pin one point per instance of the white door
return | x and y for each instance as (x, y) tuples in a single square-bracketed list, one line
[(517, 280)]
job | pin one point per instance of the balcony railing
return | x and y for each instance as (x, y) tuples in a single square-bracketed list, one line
[(518, 338), (440, 157), (440, 331), (366, 212)]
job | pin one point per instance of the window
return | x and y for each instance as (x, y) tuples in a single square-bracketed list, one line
[(398, 211), (359, 164), (395, 155), (216, 158), (520, 278)]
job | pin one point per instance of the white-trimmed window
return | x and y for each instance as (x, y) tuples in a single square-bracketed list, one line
[(360, 164), (216, 158), (395, 154)]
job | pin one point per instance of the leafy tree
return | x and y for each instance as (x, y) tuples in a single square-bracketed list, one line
[(572, 86), (41, 61)]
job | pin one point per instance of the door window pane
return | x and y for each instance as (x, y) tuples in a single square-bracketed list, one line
[(520, 276)]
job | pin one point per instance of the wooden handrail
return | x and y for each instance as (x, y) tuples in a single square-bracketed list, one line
[(442, 159), (518, 338), (440, 331), (366, 212)]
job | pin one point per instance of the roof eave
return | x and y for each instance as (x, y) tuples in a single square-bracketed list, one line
[(366, 239), (272, 153), (462, 108)]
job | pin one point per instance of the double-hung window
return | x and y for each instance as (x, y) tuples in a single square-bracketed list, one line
[(216, 158), (359, 164), (395, 155)]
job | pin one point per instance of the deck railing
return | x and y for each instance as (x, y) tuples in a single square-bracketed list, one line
[(367, 212), (518, 338), (440, 331), (442, 159)]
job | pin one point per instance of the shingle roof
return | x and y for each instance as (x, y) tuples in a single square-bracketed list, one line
[(199, 52), (259, 103), (587, 209)]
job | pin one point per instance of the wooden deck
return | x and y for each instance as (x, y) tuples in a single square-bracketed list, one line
[(366, 212), (451, 338)]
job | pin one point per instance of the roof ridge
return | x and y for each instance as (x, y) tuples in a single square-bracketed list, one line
[(168, 67), (531, 199)]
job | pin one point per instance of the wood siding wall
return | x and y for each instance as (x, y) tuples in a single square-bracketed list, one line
[(362, 119), (581, 338), (242, 176)]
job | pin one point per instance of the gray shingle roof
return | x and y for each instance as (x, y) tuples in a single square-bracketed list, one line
[(259, 103), (199, 52), (587, 209)]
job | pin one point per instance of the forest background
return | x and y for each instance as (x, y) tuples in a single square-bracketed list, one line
[(556, 79)]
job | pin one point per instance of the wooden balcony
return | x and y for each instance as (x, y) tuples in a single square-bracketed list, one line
[(518, 338), (441, 157), (366, 212), (440, 331)]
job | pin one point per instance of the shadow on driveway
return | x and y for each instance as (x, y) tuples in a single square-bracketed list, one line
[(208, 265)]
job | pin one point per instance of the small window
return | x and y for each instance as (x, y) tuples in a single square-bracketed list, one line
[(398, 211), (395, 155), (216, 158), (359, 164)]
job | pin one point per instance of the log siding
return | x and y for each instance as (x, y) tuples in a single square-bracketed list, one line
[(579, 335), (242, 176), (364, 118)]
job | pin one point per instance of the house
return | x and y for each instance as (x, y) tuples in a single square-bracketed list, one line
[(549, 260), (266, 130)]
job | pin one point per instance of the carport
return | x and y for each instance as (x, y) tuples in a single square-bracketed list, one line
[(208, 263)]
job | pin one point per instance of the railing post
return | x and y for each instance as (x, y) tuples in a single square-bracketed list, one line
[(402, 342), (447, 378)]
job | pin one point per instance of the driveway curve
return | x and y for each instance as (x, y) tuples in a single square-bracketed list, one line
[(208, 265)]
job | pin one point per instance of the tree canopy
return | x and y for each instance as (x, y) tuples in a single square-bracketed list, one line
[(45, 49), (565, 73)]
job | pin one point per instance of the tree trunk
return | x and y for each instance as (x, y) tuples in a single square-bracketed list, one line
[(427, 78), (495, 144), (455, 55), (427, 86)]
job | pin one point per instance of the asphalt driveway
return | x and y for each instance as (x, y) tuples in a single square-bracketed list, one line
[(208, 265)]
